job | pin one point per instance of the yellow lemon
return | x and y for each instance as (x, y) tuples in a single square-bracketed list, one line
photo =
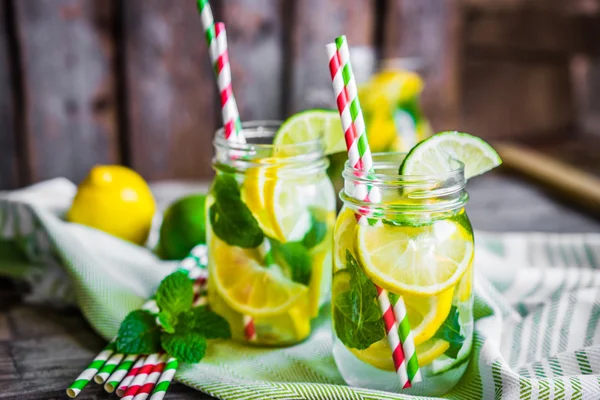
[(343, 237), (116, 200), (465, 285), (417, 260), (250, 287), (427, 314)]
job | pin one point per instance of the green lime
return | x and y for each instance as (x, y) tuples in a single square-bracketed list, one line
[(435, 155), (310, 125), (183, 227)]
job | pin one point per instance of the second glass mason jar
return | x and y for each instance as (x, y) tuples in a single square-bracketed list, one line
[(416, 243), (270, 216)]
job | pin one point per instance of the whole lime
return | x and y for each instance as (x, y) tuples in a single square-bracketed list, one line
[(183, 227)]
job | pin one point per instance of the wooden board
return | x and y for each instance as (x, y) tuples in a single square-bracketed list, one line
[(316, 23), (69, 87), (256, 50), (429, 30), (508, 99), (538, 33), (171, 90), (8, 150)]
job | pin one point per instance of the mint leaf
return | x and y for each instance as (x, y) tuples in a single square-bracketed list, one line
[(317, 232), (205, 322), (165, 321), (356, 315), (175, 295), (296, 258), (139, 334), (230, 218), (450, 332), (188, 347)]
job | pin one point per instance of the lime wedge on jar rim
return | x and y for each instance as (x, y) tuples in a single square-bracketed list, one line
[(435, 155), (310, 125)]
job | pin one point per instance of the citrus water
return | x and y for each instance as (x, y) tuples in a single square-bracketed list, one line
[(270, 217), (417, 243)]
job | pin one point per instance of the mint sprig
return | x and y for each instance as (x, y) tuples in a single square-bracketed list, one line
[(139, 334), (230, 218), (356, 316), (450, 332), (174, 296), (179, 329)]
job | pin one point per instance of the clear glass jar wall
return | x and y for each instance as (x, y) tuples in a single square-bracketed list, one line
[(270, 217), (417, 243)]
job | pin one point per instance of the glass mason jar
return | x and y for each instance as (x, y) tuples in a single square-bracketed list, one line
[(417, 243), (270, 216)]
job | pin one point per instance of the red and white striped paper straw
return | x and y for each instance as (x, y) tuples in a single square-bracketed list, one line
[(359, 156), (229, 109), (217, 47), (151, 379), (140, 378)]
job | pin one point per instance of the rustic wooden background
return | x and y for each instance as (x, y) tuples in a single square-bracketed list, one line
[(129, 81)]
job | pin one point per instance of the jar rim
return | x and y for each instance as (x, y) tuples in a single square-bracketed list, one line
[(267, 129), (386, 161)]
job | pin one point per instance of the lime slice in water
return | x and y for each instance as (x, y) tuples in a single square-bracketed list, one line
[(310, 125), (434, 155)]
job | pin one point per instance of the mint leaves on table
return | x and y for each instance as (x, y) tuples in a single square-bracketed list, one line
[(174, 296), (230, 218), (139, 334), (182, 330), (450, 332), (356, 314)]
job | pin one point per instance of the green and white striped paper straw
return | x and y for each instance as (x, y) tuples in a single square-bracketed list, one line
[(84, 378), (108, 367), (165, 379), (119, 373), (406, 338)]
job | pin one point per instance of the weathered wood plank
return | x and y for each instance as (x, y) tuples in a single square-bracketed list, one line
[(429, 30), (507, 99), (316, 23), (540, 32), (255, 36), (171, 90), (67, 59), (8, 149)]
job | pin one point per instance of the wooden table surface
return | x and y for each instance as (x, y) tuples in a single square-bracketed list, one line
[(42, 349)]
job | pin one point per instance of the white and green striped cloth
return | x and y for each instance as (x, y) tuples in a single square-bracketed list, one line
[(537, 309)]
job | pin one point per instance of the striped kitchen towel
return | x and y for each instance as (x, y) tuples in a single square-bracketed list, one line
[(537, 309)]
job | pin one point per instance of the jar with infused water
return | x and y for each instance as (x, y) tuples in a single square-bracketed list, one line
[(270, 217), (414, 246)]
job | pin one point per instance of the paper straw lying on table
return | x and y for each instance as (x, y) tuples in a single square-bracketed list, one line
[(359, 156), (108, 367), (138, 380), (165, 380), (122, 387), (84, 378), (151, 380), (117, 376)]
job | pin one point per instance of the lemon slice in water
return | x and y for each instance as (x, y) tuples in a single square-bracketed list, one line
[(249, 287), (420, 261)]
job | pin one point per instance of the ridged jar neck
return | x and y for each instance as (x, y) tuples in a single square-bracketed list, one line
[(259, 151), (391, 193)]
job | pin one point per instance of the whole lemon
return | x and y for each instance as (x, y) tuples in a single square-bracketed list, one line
[(116, 200), (183, 227)]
